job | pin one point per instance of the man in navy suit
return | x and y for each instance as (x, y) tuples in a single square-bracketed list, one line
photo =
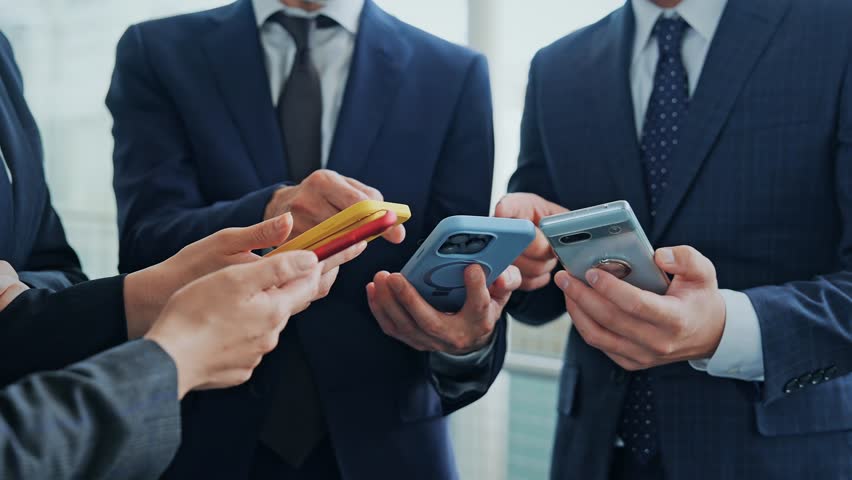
[(226, 116), (727, 125)]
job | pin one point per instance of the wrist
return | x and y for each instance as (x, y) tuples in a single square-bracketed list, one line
[(143, 300), (188, 375), (718, 320)]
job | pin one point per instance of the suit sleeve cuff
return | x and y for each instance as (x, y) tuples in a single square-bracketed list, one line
[(740, 352), (143, 383), (456, 375), (451, 365)]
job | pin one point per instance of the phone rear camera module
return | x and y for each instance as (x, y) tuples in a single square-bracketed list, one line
[(465, 244), (575, 238), (460, 239), (614, 230)]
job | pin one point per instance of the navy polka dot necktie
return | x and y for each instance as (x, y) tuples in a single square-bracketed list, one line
[(666, 112), (666, 109)]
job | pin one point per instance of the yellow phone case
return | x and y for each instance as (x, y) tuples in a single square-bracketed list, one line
[(344, 222)]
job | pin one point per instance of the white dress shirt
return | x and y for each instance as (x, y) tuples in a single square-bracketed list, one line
[(740, 353), (331, 54)]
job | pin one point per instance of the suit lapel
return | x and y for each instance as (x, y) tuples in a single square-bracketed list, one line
[(608, 122), (236, 59), (742, 36), (378, 61), (616, 112), (7, 205), (22, 201)]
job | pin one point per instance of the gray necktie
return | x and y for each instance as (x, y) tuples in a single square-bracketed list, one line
[(294, 424), (300, 103)]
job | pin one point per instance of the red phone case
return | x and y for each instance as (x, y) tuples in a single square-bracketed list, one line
[(364, 232)]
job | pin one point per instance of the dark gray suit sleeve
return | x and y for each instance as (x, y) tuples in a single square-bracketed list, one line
[(115, 415)]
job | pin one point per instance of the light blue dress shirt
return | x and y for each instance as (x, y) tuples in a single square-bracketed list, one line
[(740, 352)]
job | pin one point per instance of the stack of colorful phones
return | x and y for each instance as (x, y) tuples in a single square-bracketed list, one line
[(363, 221)]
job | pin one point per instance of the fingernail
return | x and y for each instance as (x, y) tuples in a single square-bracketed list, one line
[(306, 261), (666, 255), (514, 275), (563, 281), (592, 276), (280, 221)]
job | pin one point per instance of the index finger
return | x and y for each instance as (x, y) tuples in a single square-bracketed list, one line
[(539, 248), (369, 191), (506, 283), (270, 272), (341, 194), (648, 306)]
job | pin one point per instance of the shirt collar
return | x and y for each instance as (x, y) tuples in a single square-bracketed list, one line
[(347, 13), (702, 16)]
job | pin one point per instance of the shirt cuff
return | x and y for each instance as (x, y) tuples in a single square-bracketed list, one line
[(453, 365), (740, 352)]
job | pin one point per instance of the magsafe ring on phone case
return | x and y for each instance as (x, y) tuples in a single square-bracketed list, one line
[(615, 267), (451, 275)]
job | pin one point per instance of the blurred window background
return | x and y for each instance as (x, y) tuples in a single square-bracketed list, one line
[(66, 48)]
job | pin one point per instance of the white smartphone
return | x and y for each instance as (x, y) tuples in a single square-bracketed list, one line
[(608, 237)]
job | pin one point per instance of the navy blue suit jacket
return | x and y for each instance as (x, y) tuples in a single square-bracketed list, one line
[(43, 330), (198, 148), (762, 185)]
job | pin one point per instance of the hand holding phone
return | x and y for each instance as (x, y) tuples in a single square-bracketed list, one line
[(607, 237)]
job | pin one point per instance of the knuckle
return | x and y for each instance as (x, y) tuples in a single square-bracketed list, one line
[(300, 204), (663, 349), (637, 308), (593, 339), (231, 275), (319, 176), (433, 329), (268, 343), (460, 344)]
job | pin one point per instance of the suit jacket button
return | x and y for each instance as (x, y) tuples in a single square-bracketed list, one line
[(804, 380), (830, 372), (817, 377), (791, 385)]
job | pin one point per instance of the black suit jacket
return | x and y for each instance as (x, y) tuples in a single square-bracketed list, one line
[(42, 329)]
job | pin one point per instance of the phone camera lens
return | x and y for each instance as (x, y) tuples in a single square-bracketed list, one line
[(449, 249), (459, 239), (465, 244), (575, 238), (614, 230)]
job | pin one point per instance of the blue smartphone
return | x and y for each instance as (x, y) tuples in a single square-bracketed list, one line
[(437, 268), (608, 237)]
